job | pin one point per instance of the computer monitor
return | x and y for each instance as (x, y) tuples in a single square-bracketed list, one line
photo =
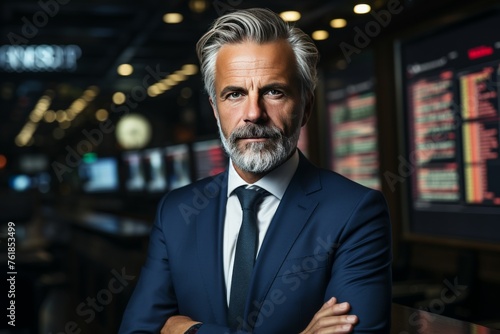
[(451, 129), (20, 182), (352, 122), (210, 158), (155, 170), (99, 174), (178, 166), (134, 171)]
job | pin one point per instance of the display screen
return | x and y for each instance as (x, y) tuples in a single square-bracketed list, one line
[(452, 130), (352, 123), (154, 170), (178, 166), (20, 182), (99, 174), (210, 158), (135, 177)]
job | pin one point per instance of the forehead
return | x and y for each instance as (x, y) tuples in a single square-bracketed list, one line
[(249, 59)]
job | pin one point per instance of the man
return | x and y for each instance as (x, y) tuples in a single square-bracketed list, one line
[(323, 254)]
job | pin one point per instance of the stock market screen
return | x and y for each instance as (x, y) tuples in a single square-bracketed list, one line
[(451, 87), (352, 124), (210, 158)]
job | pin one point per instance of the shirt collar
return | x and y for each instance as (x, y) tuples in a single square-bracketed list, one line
[(274, 182)]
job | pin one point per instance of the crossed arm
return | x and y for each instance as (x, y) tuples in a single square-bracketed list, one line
[(332, 318), (360, 276)]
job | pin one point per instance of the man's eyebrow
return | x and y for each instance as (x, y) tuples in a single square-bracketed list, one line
[(228, 89), (265, 88), (275, 85)]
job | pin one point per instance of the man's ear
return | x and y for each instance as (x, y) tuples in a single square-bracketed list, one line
[(308, 107)]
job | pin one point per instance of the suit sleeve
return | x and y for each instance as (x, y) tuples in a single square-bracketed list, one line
[(153, 299), (361, 271)]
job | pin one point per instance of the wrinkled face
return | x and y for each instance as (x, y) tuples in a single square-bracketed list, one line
[(258, 104)]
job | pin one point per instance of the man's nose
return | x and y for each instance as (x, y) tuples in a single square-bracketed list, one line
[(255, 110)]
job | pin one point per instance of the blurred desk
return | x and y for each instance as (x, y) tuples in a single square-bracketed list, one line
[(103, 247), (406, 320), (112, 225)]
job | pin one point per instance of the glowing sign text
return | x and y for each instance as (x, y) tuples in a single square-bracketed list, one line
[(39, 58)]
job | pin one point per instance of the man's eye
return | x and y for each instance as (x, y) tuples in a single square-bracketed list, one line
[(274, 92), (233, 95)]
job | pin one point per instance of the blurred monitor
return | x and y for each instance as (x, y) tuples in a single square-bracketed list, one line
[(33, 163), (210, 158), (451, 89), (352, 122), (99, 174), (42, 182), (155, 170), (20, 182), (178, 166), (135, 178)]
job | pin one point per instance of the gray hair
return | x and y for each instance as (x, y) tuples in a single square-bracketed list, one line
[(261, 26)]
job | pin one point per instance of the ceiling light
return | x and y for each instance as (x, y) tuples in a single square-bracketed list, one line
[(125, 69), (290, 16), (190, 69), (362, 8), (198, 6), (49, 116), (173, 18), (161, 86), (169, 82), (153, 91), (320, 35), (118, 98), (177, 76), (101, 115), (78, 105), (25, 135), (71, 114), (338, 23), (60, 116)]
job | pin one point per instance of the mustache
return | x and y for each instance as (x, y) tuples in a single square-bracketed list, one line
[(255, 131)]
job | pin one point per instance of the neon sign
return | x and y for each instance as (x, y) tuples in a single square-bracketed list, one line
[(39, 58), (479, 52)]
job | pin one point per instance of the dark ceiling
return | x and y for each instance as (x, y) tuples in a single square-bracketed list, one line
[(111, 32)]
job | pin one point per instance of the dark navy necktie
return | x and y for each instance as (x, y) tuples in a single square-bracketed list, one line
[(246, 249)]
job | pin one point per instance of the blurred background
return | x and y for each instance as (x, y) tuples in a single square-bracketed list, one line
[(102, 112)]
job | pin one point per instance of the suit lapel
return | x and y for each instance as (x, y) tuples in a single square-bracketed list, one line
[(291, 216), (209, 241)]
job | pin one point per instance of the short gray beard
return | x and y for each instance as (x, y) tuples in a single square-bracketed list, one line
[(259, 157)]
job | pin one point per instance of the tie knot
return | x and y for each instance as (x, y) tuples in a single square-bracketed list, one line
[(250, 197)]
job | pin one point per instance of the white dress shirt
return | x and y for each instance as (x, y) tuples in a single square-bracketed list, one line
[(275, 183)]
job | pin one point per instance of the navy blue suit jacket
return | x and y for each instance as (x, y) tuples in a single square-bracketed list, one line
[(329, 237)]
